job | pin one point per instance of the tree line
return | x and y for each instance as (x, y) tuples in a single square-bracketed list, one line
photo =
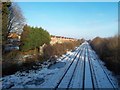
[(108, 50)]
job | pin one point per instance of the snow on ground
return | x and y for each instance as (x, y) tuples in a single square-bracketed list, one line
[(54, 80), (57, 65), (77, 80), (49, 76), (101, 71), (33, 78), (24, 80), (88, 79), (64, 83)]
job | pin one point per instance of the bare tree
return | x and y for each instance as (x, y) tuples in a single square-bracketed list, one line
[(12, 20), (16, 19)]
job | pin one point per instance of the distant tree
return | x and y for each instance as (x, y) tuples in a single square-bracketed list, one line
[(15, 19)]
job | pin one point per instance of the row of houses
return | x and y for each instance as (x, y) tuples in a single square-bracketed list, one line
[(61, 39), (54, 39), (14, 40)]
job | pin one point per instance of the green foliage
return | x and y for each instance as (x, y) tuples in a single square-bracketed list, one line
[(32, 38), (5, 19)]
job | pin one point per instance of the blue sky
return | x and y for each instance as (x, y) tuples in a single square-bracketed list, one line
[(73, 19)]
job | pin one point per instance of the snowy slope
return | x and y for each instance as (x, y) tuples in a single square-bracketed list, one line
[(78, 69)]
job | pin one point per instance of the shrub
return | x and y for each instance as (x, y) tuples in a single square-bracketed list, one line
[(10, 55), (59, 48), (9, 67), (48, 51), (107, 49), (11, 64)]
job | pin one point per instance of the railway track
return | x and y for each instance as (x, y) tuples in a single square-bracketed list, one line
[(95, 77), (57, 77), (94, 80), (108, 77), (82, 70), (68, 75)]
